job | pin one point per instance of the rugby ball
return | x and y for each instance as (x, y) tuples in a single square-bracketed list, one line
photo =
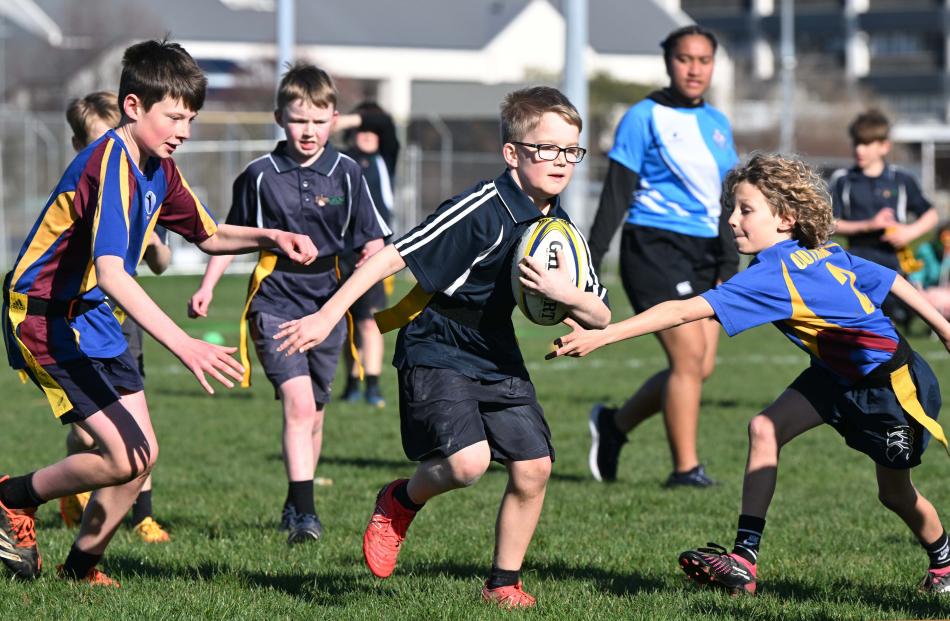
[(542, 240)]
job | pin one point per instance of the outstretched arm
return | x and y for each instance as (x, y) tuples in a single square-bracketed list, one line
[(581, 342), (231, 239), (198, 356), (302, 334), (910, 296)]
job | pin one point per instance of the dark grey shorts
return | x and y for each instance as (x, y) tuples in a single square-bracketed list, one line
[(442, 411), (318, 363), (870, 419)]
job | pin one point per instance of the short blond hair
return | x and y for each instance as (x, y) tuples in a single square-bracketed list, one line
[(521, 111), (84, 111), (792, 188), (306, 82)]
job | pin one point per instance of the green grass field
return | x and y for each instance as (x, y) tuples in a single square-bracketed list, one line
[(830, 551)]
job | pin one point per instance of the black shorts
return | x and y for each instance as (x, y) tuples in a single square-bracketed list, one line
[(657, 265), (871, 419), (318, 363), (91, 384), (442, 411), (134, 336)]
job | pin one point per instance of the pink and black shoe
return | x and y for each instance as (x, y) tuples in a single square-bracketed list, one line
[(714, 566)]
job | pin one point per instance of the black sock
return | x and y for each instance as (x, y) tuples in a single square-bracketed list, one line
[(401, 494), (502, 577), (352, 383), (18, 493), (142, 507), (372, 382), (939, 552), (78, 563), (748, 537), (300, 494)]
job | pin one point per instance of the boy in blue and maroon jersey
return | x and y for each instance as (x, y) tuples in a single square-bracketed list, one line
[(61, 333)]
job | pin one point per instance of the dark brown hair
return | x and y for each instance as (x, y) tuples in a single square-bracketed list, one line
[(154, 70), (870, 126)]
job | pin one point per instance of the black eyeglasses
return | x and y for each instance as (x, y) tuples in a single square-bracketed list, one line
[(550, 152)]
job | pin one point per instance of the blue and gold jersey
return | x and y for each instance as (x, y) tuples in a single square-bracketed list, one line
[(103, 205), (824, 300)]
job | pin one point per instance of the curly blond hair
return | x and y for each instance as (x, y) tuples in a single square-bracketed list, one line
[(791, 188)]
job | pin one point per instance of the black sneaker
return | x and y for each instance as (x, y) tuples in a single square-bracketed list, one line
[(714, 566), (287, 518), (374, 397), (696, 477), (306, 528), (605, 443), (18, 549)]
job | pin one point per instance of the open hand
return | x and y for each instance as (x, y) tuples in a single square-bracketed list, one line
[(297, 247), (578, 343), (201, 357), (302, 334)]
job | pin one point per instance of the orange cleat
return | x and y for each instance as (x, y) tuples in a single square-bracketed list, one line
[(508, 596), (94, 578), (386, 531), (18, 548)]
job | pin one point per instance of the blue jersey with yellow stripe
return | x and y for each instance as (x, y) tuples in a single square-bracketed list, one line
[(104, 205), (824, 300)]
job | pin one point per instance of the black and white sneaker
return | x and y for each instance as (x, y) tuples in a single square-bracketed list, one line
[(696, 477), (306, 528), (605, 443)]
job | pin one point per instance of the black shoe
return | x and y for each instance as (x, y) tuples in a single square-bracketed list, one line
[(691, 478), (714, 566), (374, 397), (605, 443), (287, 518), (306, 528)]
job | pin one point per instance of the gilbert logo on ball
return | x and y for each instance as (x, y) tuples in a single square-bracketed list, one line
[(542, 241)]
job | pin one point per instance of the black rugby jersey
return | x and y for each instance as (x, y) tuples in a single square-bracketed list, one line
[(328, 200), (462, 254), (855, 196)]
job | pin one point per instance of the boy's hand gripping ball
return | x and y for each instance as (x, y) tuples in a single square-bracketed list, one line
[(542, 240)]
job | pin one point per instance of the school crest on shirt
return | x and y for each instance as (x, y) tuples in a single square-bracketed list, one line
[(719, 138), (151, 201), (322, 200)]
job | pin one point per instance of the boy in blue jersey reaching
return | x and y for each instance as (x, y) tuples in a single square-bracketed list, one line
[(90, 117), (864, 379), (59, 330), (465, 397)]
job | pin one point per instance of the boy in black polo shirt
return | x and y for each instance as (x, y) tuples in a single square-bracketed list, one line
[(873, 199), (305, 185), (465, 397)]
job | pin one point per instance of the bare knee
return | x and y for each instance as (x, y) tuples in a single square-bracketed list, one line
[(298, 412), (135, 462), (467, 469), (762, 434), (530, 478)]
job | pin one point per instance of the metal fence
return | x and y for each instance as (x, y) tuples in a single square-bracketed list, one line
[(35, 149)]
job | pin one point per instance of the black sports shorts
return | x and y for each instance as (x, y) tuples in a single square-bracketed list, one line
[(871, 419), (442, 411), (657, 265)]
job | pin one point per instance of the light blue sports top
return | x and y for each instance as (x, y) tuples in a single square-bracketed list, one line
[(680, 156)]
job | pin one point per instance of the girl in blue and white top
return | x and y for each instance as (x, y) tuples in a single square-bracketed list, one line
[(670, 154)]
